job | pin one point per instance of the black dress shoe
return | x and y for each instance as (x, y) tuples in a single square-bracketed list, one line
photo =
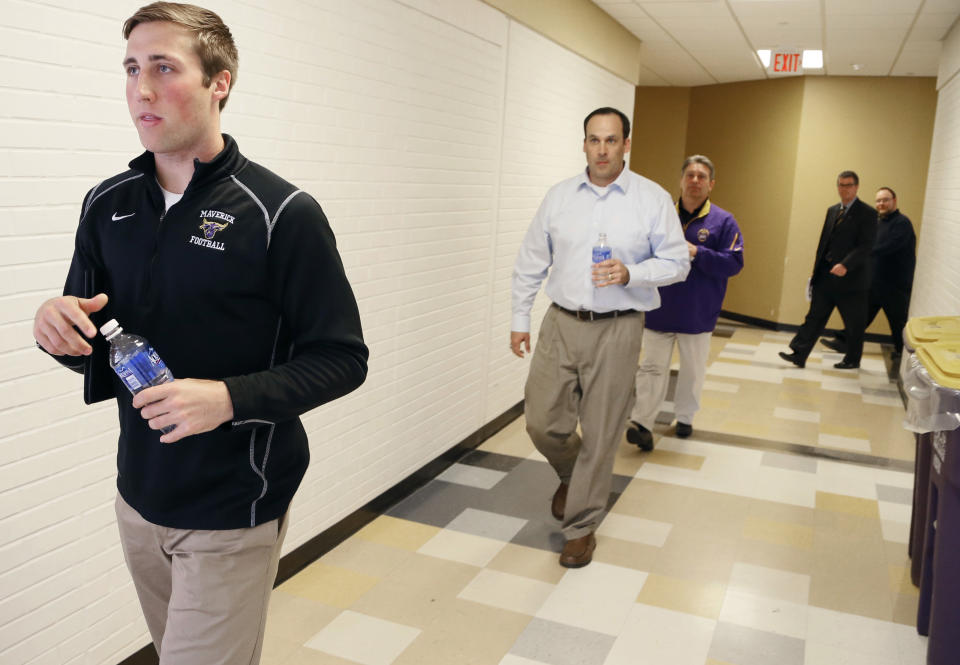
[(640, 436), (793, 358), (834, 345), (683, 430), (846, 364)]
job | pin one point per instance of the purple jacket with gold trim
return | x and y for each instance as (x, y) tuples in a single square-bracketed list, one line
[(693, 305)]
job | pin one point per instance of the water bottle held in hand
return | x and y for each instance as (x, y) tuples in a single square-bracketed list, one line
[(134, 360), (602, 251)]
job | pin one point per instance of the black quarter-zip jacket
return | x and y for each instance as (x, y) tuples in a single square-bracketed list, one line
[(239, 281)]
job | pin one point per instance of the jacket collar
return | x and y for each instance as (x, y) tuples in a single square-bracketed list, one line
[(227, 161)]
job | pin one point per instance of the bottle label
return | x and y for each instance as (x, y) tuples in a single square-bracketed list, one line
[(601, 254), (141, 369)]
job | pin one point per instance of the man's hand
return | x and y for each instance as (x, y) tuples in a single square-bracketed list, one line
[(194, 406), (519, 340), (610, 272), (53, 324), (692, 249), (839, 270)]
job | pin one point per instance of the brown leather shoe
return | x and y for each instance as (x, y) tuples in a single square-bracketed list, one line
[(559, 502), (578, 552)]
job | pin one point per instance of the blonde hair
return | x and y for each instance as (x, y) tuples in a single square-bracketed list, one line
[(211, 36)]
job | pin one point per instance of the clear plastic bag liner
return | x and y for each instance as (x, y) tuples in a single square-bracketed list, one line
[(930, 406)]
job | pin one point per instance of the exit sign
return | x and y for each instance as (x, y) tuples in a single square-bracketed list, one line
[(786, 61)]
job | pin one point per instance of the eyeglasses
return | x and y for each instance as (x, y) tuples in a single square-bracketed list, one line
[(846, 184)]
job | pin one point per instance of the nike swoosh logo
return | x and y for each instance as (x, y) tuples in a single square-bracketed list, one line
[(117, 217)]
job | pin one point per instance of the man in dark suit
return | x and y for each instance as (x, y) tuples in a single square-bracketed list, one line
[(841, 275), (894, 259)]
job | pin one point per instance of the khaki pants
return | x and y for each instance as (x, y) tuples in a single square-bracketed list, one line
[(204, 594), (653, 375), (582, 370)]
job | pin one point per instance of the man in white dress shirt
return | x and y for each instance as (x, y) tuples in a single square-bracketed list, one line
[(589, 343)]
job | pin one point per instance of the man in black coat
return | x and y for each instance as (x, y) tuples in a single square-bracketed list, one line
[(894, 259), (841, 275)]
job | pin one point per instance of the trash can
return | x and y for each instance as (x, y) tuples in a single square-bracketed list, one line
[(933, 388), (922, 330)]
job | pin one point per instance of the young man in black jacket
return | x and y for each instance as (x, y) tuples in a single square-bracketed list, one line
[(233, 275)]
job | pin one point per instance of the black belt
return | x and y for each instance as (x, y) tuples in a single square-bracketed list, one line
[(587, 315)]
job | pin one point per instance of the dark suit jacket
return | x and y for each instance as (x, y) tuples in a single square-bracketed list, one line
[(849, 243)]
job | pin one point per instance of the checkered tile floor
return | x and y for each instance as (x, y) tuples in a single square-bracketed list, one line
[(739, 546)]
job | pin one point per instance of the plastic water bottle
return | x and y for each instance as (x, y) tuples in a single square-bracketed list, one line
[(135, 361), (602, 251)]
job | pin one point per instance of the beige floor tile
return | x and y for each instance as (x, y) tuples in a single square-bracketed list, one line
[(853, 595), (797, 536), (662, 502), (395, 532), (366, 556), (849, 505), (682, 556), (278, 650), (629, 458), (715, 514), (905, 609), (679, 460), (739, 426), (528, 562), (900, 581), (418, 591), (738, 361), (307, 656), (511, 440), (329, 585), (295, 618), (471, 634), (407, 604), (850, 574), (683, 595), (714, 402), (896, 553), (844, 430), (772, 555), (792, 431), (623, 553), (782, 512)]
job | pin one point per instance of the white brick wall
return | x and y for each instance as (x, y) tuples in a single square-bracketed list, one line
[(429, 130), (936, 286)]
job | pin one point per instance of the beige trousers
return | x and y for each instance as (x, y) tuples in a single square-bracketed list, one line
[(653, 375), (204, 594), (582, 371)]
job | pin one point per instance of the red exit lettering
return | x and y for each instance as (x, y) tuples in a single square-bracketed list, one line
[(786, 62)]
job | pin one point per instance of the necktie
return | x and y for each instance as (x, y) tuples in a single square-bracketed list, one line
[(840, 216)]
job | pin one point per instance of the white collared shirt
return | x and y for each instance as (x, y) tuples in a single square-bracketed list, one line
[(643, 231)]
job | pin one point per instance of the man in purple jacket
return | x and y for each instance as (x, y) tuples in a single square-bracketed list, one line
[(689, 310)]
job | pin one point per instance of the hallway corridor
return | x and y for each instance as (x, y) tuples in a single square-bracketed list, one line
[(775, 535)]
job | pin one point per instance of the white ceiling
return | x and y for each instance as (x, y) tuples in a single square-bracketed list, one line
[(701, 42)]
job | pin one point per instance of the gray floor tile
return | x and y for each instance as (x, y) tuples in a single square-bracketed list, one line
[(487, 524), (541, 535), (791, 462), (437, 503), (493, 461), (748, 646), (558, 644), (895, 494)]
